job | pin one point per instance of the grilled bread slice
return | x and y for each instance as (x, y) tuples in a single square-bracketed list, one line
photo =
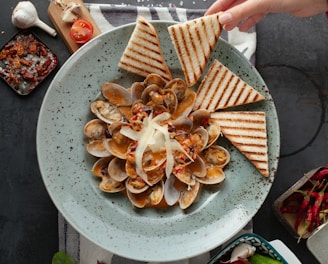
[(143, 54), (194, 41), (246, 130), (221, 88)]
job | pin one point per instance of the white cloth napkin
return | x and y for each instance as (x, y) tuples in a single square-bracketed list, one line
[(107, 17)]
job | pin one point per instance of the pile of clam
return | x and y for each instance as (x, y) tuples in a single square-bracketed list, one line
[(151, 145)]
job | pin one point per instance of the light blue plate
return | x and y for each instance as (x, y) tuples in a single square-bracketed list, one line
[(109, 220)]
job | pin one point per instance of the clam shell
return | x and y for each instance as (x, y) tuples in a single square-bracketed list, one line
[(203, 137), (136, 90), (214, 175), (178, 86), (106, 111), (136, 185), (200, 117), (186, 105), (150, 197), (184, 174), (119, 144), (95, 129), (116, 169), (183, 123), (171, 194), (189, 195), (100, 167), (154, 78), (116, 94), (149, 94), (170, 100), (214, 132), (110, 185), (216, 155), (98, 149)]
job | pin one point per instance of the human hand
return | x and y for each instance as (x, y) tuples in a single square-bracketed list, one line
[(249, 12)]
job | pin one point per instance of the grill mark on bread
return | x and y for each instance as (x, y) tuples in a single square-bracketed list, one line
[(143, 66), (221, 88), (194, 41), (143, 54), (246, 130)]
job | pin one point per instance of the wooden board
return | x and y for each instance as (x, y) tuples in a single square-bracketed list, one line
[(55, 14)]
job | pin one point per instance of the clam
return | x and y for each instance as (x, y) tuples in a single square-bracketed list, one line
[(189, 172), (214, 132), (150, 197), (136, 185), (119, 144), (154, 78), (200, 135), (217, 155), (130, 166), (184, 174), (106, 111), (178, 86), (108, 184), (186, 105), (98, 149), (189, 195), (152, 92), (100, 167), (116, 169), (116, 94), (171, 194), (200, 117), (170, 100), (95, 129), (156, 175), (214, 175), (183, 123), (136, 90)]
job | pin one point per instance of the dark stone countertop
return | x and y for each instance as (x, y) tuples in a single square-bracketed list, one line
[(292, 59)]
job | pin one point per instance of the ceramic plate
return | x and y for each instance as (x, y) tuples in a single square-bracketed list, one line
[(262, 246), (109, 220)]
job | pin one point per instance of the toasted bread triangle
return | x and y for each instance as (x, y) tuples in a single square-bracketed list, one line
[(194, 41), (143, 54), (221, 88), (246, 130)]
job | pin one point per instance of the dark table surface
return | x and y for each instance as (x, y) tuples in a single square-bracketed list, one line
[(292, 59)]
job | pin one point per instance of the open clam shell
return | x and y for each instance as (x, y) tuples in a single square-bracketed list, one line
[(178, 86), (214, 132), (216, 155), (136, 185), (186, 105), (100, 167), (116, 94), (106, 111), (108, 184), (116, 169), (150, 197), (214, 175), (189, 195), (98, 149), (95, 129), (154, 78)]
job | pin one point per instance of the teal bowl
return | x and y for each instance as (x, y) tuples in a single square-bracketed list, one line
[(262, 247)]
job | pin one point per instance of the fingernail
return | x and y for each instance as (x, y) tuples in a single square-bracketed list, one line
[(225, 18)]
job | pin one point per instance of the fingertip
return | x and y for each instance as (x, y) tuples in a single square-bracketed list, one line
[(225, 18)]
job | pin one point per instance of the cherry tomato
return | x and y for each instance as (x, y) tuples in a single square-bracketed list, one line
[(81, 31)]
